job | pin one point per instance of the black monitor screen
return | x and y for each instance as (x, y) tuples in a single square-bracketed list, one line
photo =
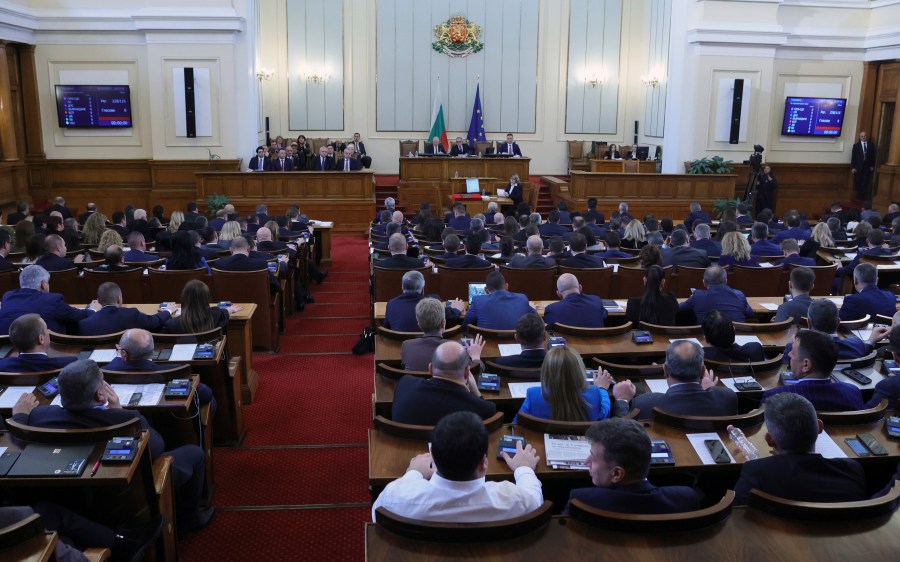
[(813, 117), (93, 106)]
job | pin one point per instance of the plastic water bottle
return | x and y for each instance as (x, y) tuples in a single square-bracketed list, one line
[(747, 448)]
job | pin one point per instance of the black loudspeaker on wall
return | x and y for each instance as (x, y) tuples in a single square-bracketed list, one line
[(737, 99), (635, 132), (189, 108), (268, 138)]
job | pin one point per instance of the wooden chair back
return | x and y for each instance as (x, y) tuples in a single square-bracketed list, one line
[(709, 423), (316, 144), (864, 361), (522, 373), (685, 279), (166, 285), (855, 323), (481, 147), (67, 284), (130, 428), (630, 281), (388, 281), (407, 146), (86, 341), (824, 279), (28, 379), (763, 327), (822, 511), (396, 373), (423, 432), (9, 281), (631, 371), (552, 426), (490, 334), (594, 281), (464, 532), (672, 330), (653, 523), (627, 262), (130, 282), (454, 282), (854, 417), (755, 281), (752, 367), (198, 337), (144, 377), (538, 284), (21, 531), (403, 336), (145, 264), (610, 331), (253, 286)]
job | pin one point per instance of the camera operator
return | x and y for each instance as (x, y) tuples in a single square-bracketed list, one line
[(766, 184)]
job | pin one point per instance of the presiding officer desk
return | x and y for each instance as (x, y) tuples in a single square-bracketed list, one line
[(748, 534)]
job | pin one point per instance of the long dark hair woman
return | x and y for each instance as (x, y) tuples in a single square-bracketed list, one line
[(654, 306), (184, 254), (196, 314)]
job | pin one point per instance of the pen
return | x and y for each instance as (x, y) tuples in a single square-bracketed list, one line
[(96, 466)]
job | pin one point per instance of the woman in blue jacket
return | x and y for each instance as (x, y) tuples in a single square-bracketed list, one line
[(564, 394)]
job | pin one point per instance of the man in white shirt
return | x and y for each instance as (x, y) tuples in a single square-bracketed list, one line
[(448, 484)]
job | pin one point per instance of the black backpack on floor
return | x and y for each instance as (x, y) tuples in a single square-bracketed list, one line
[(366, 343)]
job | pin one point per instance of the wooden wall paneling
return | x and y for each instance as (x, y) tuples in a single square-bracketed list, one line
[(31, 109)]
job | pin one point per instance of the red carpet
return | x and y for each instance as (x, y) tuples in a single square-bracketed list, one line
[(278, 502)]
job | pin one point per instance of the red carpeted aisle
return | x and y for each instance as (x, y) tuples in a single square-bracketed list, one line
[(296, 488)]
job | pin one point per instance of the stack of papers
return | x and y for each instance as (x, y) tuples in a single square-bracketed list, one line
[(567, 452), (103, 355), (657, 385), (183, 352), (506, 349), (150, 393), (741, 340), (612, 306), (769, 305), (518, 389), (826, 447), (12, 394)]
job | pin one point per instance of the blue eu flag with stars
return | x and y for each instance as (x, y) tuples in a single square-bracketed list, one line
[(476, 125)]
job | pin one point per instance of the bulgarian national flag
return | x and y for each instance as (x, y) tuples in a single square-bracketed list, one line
[(438, 126)]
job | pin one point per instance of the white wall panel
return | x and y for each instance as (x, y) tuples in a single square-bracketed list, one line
[(658, 63), (594, 49), (408, 68), (314, 45)]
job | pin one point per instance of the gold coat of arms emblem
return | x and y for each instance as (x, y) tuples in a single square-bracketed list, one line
[(457, 37)]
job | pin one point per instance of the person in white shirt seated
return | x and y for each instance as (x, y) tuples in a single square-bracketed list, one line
[(448, 484)]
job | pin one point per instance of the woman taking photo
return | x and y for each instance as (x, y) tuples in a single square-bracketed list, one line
[(196, 315), (564, 394), (654, 306)]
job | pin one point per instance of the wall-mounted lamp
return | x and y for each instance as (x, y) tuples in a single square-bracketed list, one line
[(650, 80), (595, 79), (264, 74), (317, 76)]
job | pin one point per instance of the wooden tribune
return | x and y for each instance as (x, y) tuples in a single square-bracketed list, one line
[(428, 179)]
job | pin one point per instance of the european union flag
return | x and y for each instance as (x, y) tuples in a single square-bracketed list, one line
[(476, 125)]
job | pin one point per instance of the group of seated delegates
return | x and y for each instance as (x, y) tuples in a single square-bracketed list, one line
[(297, 156), (613, 153)]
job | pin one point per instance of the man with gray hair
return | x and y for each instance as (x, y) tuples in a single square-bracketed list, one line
[(822, 316), (492, 210), (680, 253), (451, 388), (89, 401), (717, 296), (623, 213), (535, 259), (262, 214), (696, 215), (398, 258), (416, 353), (760, 244), (574, 308), (702, 241), (34, 296), (869, 299), (796, 471), (400, 314), (692, 388)]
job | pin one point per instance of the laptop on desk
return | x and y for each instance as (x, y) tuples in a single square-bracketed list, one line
[(475, 289), (39, 459)]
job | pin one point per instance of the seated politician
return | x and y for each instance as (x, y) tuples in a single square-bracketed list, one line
[(822, 316), (760, 244), (717, 296), (618, 464), (398, 258), (580, 258), (498, 309), (133, 354), (800, 283), (114, 317), (448, 484), (34, 296), (196, 315), (719, 332), (30, 335), (692, 388), (796, 471), (869, 299), (471, 259), (400, 313), (416, 353), (680, 252), (240, 260), (889, 387), (531, 334), (54, 257), (460, 148), (574, 308), (564, 394), (90, 402), (812, 359), (534, 259), (451, 388)]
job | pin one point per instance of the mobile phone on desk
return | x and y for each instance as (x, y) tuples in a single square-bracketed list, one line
[(660, 453), (165, 354), (508, 445), (891, 367), (556, 341), (717, 451), (488, 382), (892, 424), (858, 448), (641, 337)]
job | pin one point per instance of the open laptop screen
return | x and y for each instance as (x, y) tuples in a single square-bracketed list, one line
[(475, 289)]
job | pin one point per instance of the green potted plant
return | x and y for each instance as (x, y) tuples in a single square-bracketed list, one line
[(714, 165), (721, 205), (214, 202)]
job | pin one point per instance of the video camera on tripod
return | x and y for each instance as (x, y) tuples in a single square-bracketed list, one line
[(755, 162)]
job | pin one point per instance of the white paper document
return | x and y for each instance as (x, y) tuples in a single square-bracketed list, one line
[(506, 349), (150, 393), (766, 264), (741, 340), (518, 389), (695, 340), (566, 451), (183, 352), (730, 382), (615, 267), (850, 255), (697, 440), (769, 305), (657, 385), (826, 447), (103, 355), (622, 303), (12, 394)]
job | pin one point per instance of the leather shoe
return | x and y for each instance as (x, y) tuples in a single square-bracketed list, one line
[(131, 544), (322, 276)]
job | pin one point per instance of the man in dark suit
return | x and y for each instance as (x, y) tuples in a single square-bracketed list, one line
[(531, 334), (717, 296), (680, 253), (759, 241), (580, 258), (451, 388), (137, 249), (862, 164), (702, 241), (322, 162), (618, 465), (431, 319), (460, 148), (262, 214), (282, 163), (54, 257), (796, 472), (460, 220), (398, 258), (592, 210), (471, 259), (34, 296), (574, 308), (692, 388), (20, 214), (90, 209), (240, 260), (552, 227), (613, 240), (260, 162), (869, 299), (557, 250), (534, 259), (498, 309), (888, 388), (509, 147), (564, 216), (822, 316), (812, 358), (30, 335), (400, 313), (114, 317), (743, 218), (359, 150), (794, 229), (59, 205), (89, 401), (800, 284), (348, 163), (435, 147), (119, 223), (792, 256), (5, 248), (696, 214)]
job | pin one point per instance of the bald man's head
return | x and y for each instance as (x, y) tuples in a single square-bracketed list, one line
[(450, 360), (137, 344), (535, 245), (567, 284), (263, 235)]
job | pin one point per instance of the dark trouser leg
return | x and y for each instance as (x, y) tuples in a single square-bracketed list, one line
[(189, 471)]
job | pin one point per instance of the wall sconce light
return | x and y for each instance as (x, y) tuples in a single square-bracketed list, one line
[(317, 76), (595, 79), (264, 74), (650, 80)]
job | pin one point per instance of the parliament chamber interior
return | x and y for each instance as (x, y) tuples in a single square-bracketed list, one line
[(397, 280)]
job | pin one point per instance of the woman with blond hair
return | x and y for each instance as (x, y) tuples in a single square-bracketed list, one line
[(93, 229), (821, 236), (109, 238), (230, 231), (635, 237), (736, 251), (564, 394)]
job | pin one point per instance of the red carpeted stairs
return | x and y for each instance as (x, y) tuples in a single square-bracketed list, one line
[(297, 487)]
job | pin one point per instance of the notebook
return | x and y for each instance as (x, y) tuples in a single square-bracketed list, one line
[(39, 459)]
